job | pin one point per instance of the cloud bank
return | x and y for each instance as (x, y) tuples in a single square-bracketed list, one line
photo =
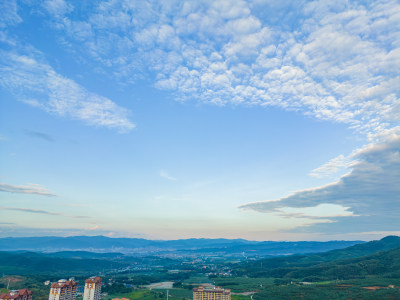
[(370, 191)]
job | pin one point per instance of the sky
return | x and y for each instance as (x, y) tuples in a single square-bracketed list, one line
[(261, 120)]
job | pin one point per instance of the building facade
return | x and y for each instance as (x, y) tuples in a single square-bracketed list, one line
[(217, 293), (23, 294), (92, 288), (63, 290)]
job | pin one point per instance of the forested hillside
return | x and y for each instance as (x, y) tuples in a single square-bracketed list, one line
[(352, 262)]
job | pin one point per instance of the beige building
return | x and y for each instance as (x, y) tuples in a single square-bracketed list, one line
[(92, 288), (63, 290), (23, 294), (217, 293)]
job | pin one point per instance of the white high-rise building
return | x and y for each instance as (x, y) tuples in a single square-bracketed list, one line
[(63, 290), (92, 288)]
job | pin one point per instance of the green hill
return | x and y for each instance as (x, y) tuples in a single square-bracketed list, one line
[(301, 266), (383, 264), (27, 263)]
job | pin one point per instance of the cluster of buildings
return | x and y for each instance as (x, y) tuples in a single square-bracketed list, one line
[(61, 290), (215, 293), (66, 290), (23, 294)]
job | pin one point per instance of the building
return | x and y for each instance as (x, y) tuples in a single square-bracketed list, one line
[(23, 294), (63, 290), (217, 293), (92, 288)]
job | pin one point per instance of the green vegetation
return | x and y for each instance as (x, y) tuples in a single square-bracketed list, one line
[(177, 293), (365, 271), (140, 294), (240, 297), (34, 283), (331, 265), (242, 284), (343, 290), (30, 263), (386, 264), (197, 279)]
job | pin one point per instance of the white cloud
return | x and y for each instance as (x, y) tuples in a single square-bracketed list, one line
[(57, 8), (332, 166), (220, 52), (318, 211), (165, 175), (371, 190), (30, 188), (9, 13), (38, 84)]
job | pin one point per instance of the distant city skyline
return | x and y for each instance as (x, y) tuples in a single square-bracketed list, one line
[(261, 120)]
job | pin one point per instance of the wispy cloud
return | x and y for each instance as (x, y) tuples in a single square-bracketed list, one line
[(39, 211), (21, 231), (36, 83), (39, 135), (33, 189), (165, 175), (371, 190), (9, 15), (35, 211)]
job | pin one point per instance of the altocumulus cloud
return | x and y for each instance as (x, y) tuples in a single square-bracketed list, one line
[(227, 52), (333, 60), (371, 191)]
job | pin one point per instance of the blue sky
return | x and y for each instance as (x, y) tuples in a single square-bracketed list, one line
[(259, 120)]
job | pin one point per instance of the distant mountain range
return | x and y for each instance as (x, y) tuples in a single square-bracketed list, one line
[(134, 246), (376, 258)]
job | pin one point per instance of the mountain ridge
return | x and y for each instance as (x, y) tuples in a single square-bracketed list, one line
[(139, 245)]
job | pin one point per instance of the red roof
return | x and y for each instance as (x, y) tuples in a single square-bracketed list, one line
[(16, 294), (93, 280), (69, 283)]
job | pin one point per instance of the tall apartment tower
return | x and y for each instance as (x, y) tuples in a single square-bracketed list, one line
[(63, 290), (23, 294), (216, 293), (92, 288)]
